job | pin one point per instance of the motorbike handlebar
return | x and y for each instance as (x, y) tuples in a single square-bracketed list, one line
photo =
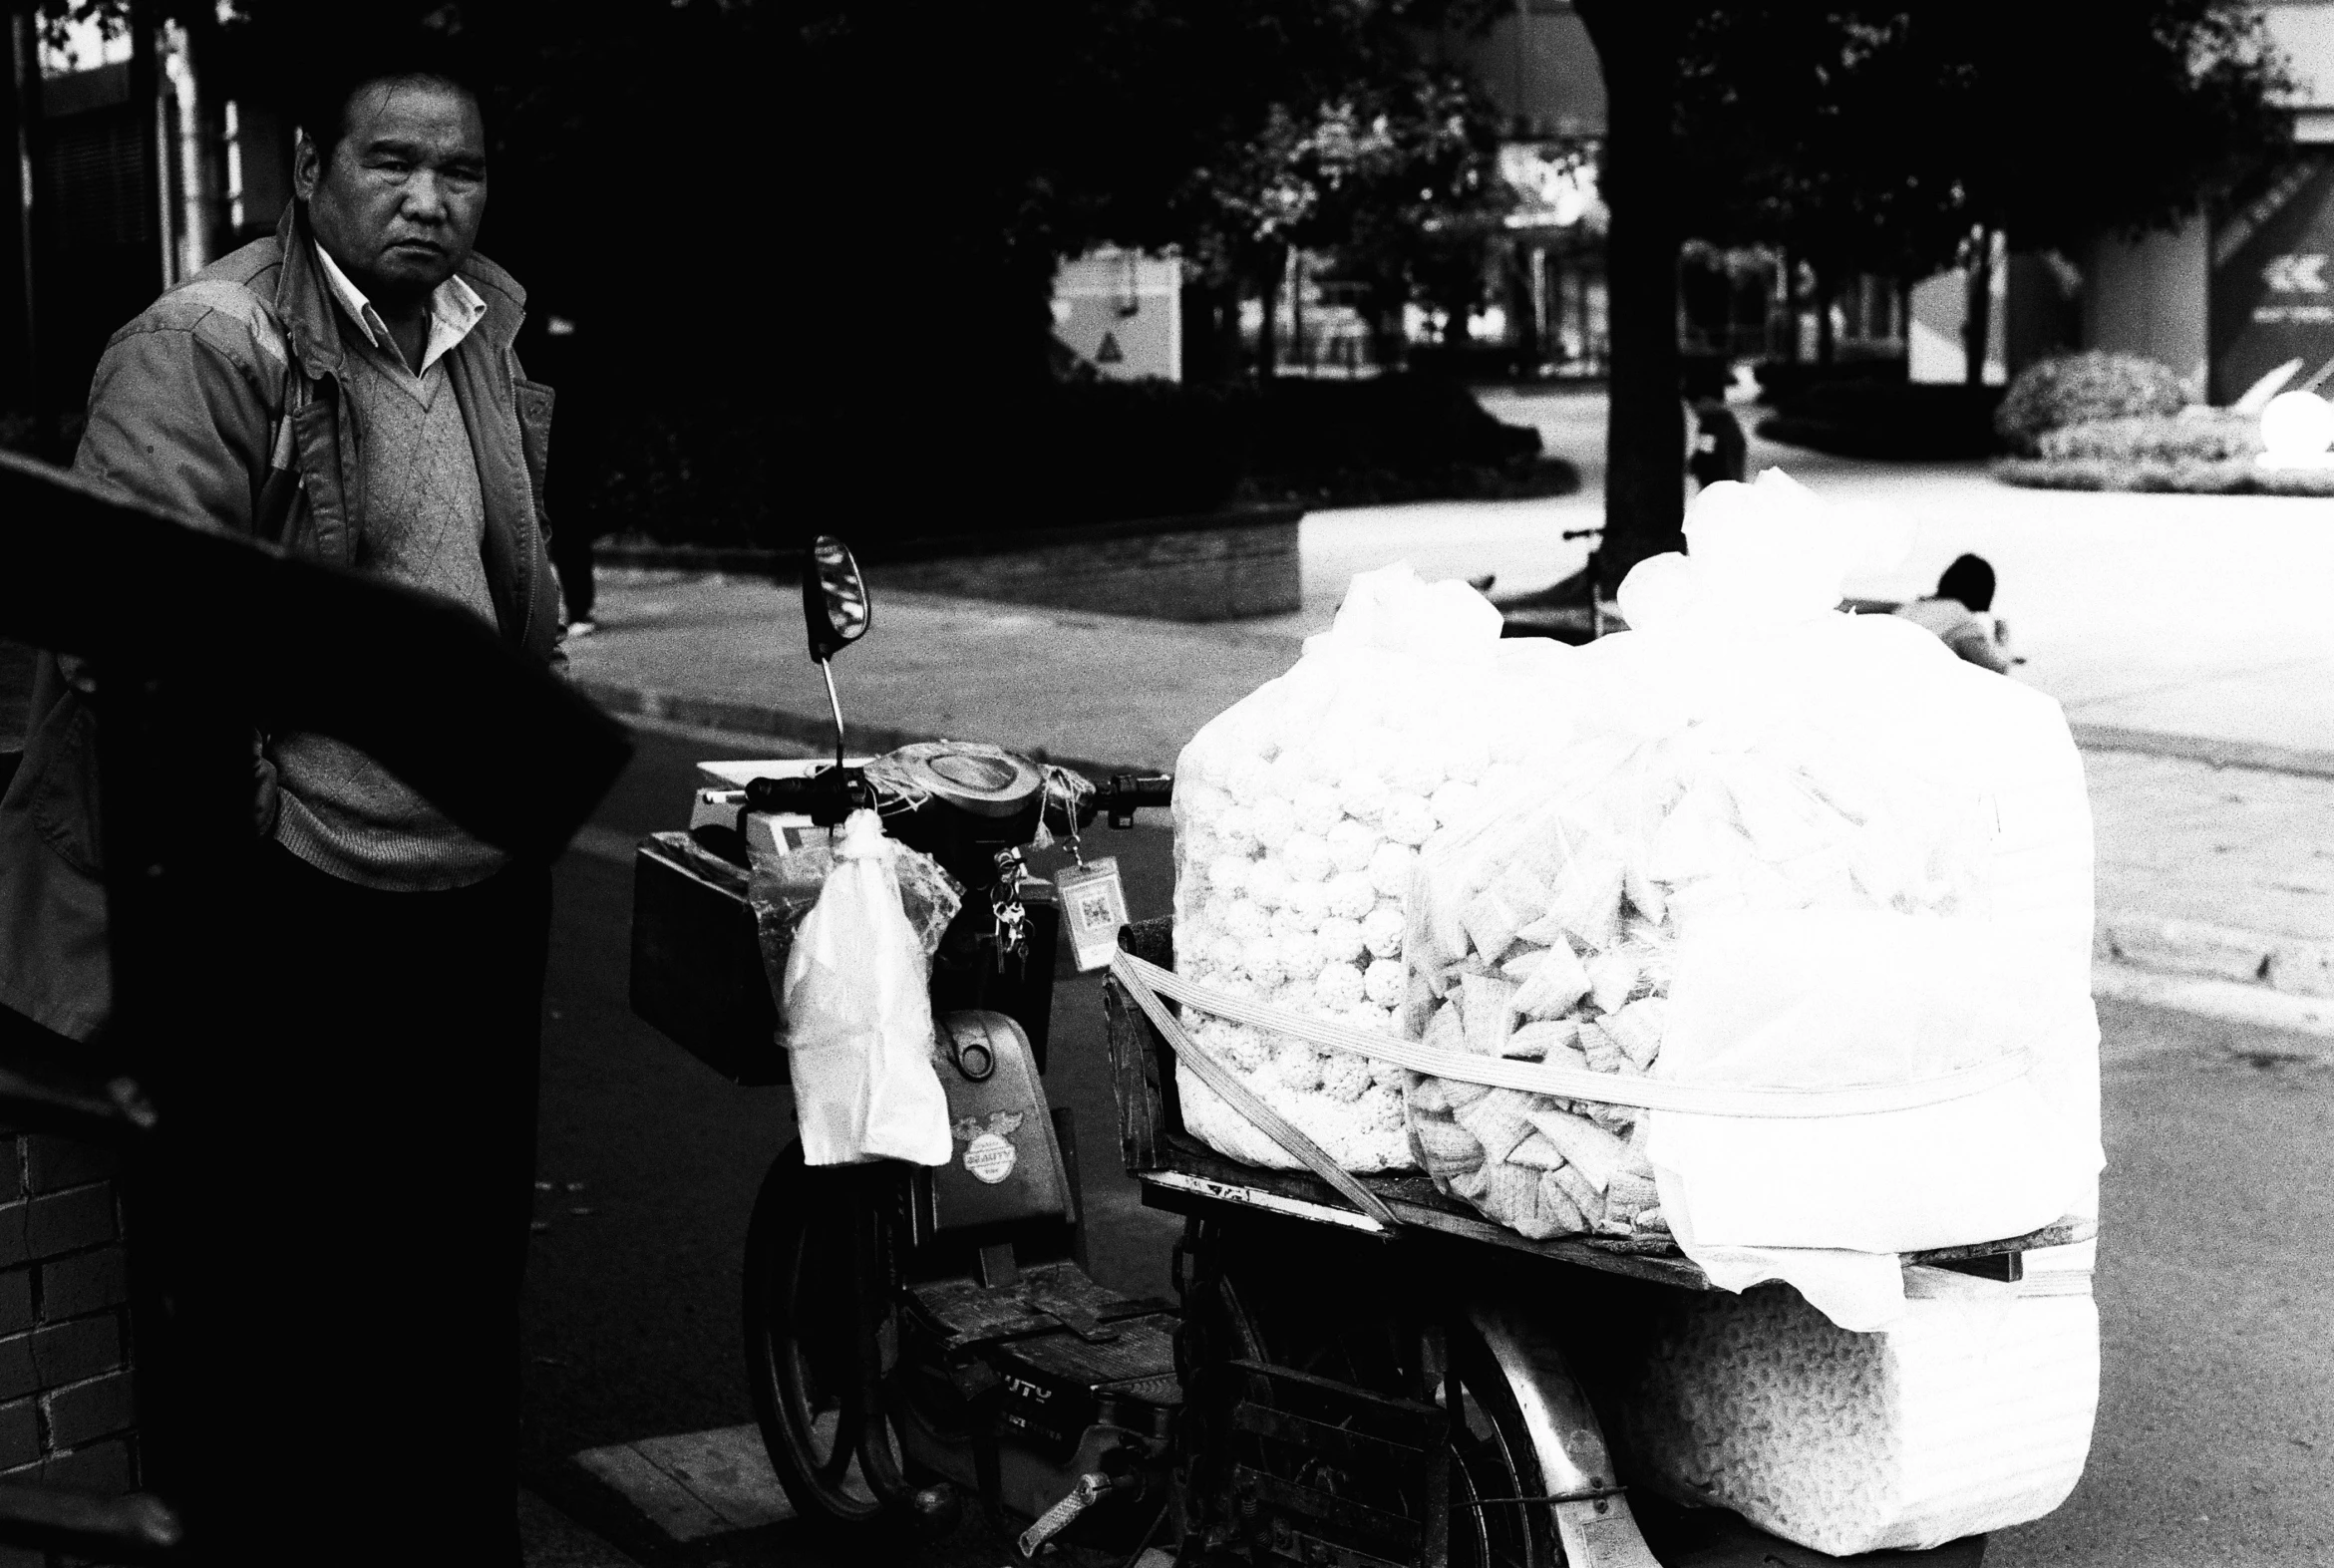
[(1123, 795), (826, 796)]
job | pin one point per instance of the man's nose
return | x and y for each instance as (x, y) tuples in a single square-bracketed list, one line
[(425, 197)]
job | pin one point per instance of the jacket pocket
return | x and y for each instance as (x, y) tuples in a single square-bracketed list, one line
[(535, 402), (59, 784)]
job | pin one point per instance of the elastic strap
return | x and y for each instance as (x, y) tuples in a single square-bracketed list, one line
[(1536, 1077), (1235, 1094)]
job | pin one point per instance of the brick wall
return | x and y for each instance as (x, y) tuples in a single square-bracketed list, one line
[(64, 1414)]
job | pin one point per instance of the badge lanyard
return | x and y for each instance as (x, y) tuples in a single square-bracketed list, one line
[(1094, 902)]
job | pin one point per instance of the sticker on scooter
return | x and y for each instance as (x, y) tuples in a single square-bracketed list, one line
[(988, 1155)]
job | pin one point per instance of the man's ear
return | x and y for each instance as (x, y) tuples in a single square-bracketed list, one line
[(306, 166)]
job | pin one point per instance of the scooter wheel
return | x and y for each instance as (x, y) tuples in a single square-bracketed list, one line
[(821, 1269)]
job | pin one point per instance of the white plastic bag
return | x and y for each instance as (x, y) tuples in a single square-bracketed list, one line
[(1300, 811), (860, 1018)]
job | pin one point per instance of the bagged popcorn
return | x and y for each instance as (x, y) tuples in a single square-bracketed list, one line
[(1789, 850), (1972, 1412), (1300, 812)]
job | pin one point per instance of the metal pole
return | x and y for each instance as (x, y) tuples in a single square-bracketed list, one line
[(826, 668), (146, 96), (31, 210)]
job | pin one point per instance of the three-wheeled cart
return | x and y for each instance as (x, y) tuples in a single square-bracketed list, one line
[(1397, 1380)]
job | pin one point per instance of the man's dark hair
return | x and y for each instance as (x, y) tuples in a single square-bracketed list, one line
[(1970, 580), (344, 59)]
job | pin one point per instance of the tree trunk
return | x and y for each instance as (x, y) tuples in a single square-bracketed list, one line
[(1825, 290), (1297, 309), (1269, 332), (1523, 308), (1978, 331), (1645, 435)]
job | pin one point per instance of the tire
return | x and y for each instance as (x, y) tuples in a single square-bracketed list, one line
[(820, 1271)]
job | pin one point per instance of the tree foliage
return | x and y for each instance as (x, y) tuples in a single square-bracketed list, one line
[(1879, 137)]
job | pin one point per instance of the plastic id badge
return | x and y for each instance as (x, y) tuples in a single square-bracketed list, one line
[(1093, 905)]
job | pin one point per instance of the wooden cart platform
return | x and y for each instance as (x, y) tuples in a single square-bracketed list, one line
[(1179, 1174)]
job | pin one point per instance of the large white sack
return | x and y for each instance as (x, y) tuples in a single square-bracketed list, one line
[(1794, 848), (1971, 1412), (1299, 814)]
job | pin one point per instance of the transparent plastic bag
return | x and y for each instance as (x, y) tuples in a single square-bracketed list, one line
[(858, 1016), (783, 889), (1300, 811), (1792, 849)]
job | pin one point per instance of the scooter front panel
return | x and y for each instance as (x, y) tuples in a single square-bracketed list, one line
[(1004, 1164)]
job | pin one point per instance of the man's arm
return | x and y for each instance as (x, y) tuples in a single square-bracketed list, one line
[(1975, 644), (177, 420), (178, 417)]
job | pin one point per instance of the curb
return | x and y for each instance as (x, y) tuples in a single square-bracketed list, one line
[(2255, 1006), (2205, 748), (2289, 965), (756, 720)]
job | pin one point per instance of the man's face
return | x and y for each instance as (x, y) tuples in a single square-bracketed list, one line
[(398, 205)]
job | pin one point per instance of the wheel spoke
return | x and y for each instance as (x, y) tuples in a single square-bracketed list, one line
[(850, 1423)]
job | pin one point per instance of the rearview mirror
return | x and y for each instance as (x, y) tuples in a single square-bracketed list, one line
[(835, 598)]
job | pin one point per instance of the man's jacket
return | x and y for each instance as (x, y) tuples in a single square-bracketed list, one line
[(223, 405)]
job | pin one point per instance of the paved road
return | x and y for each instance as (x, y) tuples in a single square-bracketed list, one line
[(2216, 1442)]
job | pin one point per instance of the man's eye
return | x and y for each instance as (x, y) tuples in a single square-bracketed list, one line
[(391, 166)]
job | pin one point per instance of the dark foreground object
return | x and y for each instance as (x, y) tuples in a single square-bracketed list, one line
[(201, 1080)]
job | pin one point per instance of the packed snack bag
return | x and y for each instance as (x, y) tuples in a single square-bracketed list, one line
[(1972, 1412), (1547, 932), (1300, 813), (1789, 852)]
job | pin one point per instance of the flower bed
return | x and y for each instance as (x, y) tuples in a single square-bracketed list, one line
[(2200, 451)]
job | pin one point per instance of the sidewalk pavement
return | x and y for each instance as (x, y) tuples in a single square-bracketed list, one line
[(2188, 639)]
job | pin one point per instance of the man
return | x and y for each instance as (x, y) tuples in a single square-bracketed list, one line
[(346, 389), (1958, 614)]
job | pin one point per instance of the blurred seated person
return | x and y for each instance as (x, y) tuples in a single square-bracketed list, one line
[(1959, 613)]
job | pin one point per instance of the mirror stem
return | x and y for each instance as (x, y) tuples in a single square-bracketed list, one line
[(826, 668)]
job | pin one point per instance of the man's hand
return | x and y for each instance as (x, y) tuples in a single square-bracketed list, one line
[(266, 796)]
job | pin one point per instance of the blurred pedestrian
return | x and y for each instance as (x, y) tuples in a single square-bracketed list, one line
[(1720, 450), (346, 388), (557, 357), (1959, 613)]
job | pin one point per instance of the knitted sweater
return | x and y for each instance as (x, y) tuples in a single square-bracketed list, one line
[(424, 521)]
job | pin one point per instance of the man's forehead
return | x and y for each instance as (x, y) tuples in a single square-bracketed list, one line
[(401, 108)]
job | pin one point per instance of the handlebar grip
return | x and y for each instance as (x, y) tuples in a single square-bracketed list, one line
[(826, 796), (1126, 793), (782, 795), (1136, 791)]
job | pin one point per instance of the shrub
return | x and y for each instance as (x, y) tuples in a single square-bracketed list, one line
[(2081, 389), (2214, 437)]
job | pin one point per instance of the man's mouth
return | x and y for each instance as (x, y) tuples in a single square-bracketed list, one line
[(418, 247)]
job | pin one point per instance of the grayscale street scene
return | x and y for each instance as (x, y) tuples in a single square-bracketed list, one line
[(1399, 783)]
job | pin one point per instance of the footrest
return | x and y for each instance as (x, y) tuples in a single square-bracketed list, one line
[(1046, 1297)]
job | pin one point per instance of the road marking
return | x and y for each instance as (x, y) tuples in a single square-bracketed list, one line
[(696, 1484)]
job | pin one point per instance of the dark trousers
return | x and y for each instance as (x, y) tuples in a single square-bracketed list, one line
[(570, 548), (372, 1238)]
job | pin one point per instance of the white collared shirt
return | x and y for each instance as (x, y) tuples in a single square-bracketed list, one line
[(455, 308)]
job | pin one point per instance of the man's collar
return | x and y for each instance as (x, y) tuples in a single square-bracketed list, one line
[(454, 309)]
